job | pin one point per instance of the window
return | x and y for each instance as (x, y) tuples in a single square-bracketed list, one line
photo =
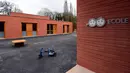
[(34, 29), (23, 29), (1, 29), (51, 28)]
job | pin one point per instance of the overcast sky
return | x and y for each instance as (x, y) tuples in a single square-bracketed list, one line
[(33, 6)]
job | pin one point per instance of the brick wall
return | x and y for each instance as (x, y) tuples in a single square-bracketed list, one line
[(106, 49), (14, 14), (13, 26)]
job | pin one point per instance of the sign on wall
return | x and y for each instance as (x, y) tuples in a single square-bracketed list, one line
[(100, 22)]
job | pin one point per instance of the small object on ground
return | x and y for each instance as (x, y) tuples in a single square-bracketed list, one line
[(41, 53), (51, 53), (46, 50), (18, 43)]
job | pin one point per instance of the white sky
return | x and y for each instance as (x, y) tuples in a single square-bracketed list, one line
[(33, 6)]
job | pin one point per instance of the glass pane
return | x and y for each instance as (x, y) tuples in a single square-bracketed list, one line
[(47, 26), (1, 26), (23, 27), (24, 33), (51, 27), (67, 28), (34, 33), (34, 27)]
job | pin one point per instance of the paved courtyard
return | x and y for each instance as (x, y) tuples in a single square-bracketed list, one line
[(24, 59)]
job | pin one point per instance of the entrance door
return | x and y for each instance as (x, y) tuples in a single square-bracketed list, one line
[(65, 28), (54, 29), (29, 30)]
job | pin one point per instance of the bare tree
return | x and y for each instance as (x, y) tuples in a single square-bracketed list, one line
[(71, 9), (45, 12), (74, 12), (66, 7), (66, 11), (59, 16), (55, 15), (16, 9), (7, 7), (71, 13)]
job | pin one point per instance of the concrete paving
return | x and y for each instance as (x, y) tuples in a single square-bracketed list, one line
[(24, 59)]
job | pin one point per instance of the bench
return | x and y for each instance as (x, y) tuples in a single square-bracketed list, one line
[(18, 43)]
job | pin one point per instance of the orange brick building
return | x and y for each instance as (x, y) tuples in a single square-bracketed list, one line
[(19, 25), (103, 49)]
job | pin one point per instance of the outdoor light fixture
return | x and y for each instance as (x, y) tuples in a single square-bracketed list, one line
[(100, 22)]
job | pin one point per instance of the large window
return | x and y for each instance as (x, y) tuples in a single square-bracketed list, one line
[(1, 29), (34, 29), (23, 29), (51, 28)]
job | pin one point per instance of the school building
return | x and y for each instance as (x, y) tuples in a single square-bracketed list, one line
[(19, 25), (103, 36)]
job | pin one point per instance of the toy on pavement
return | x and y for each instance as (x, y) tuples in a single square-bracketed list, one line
[(51, 52), (41, 53)]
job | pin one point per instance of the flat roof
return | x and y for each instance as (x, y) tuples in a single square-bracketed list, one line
[(16, 14)]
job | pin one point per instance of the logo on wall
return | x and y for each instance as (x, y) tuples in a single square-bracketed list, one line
[(100, 22)]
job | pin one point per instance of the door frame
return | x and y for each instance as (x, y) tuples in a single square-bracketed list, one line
[(26, 33)]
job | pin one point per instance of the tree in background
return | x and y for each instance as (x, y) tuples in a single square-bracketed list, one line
[(65, 16), (16, 9), (53, 15), (59, 16), (66, 11), (71, 13), (7, 7), (46, 12), (66, 7), (74, 19)]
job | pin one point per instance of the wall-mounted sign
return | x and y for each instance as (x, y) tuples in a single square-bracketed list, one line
[(118, 21), (100, 22)]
